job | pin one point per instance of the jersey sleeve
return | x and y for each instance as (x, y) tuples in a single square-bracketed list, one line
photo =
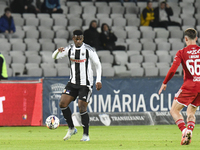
[(95, 60), (175, 65), (60, 55)]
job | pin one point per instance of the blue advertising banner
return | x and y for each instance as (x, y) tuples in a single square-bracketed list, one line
[(117, 95)]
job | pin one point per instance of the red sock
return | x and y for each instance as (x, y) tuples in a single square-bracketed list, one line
[(190, 125), (181, 124)]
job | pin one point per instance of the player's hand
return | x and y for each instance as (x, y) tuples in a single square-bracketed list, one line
[(163, 87), (98, 86), (61, 49), (6, 31), (55, 9)]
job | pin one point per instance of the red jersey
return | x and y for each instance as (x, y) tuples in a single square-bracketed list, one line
[(189, 57)]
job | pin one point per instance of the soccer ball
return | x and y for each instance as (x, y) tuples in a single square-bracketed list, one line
[(52, 122)]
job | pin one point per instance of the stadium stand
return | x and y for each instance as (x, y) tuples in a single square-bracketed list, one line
[(150, 51)]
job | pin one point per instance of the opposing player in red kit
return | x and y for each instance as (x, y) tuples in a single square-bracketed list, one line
[(189, 93)]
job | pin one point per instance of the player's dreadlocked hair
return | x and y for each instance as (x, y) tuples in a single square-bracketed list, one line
[(190, 33)]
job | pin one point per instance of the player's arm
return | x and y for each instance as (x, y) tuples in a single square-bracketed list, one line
[(171, 72), (95, 59), (60, 53)]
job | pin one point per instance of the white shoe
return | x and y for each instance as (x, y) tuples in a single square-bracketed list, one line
[(85, 138), (70, 133)]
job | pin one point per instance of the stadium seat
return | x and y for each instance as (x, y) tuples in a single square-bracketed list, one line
[(112, 16), (47, 34), (44, 40), (120, 33), (121, 71), (15, 53), (47, 22), (47, 65), (82, 3), (153, 71), (149, 46), (107, 20), (15, 40), (48, 46), (8, 59), (50, 72), (102, 3), (28, 15), (136, 59), (148, 65), (75, 22), (69, 16), (72, 3), (55, 16), (100, 15), (163, 52), (131, 28), (177, 45), (9, 72), (56, 28), (135, 46), (137, 72), (164, 46), (104, 9), (105, 56), (171, 40), (32, 34), (162, 34), (151, 58), (30, 53), (34, 59), (145, 28), (31, 65), (60, 21), (26, 28), (108, 72), (147, 52), (18, 69), (132, 10), (19, 46), (189, 21), (158, 40), (75, 9), (133, 65), (121, 57), (18, 21), (176, 34), (134, 34), (165, 58), (32, 21), (133, 22), (132, 52), (163, 71), (162, 64), (118, 9), (89, 9), (43, 15), (132, 40), (62, 34), (111, 4), (149, 34), (63, 71), (18, 59)]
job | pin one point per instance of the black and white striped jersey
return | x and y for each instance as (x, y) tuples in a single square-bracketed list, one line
[(80, 63)]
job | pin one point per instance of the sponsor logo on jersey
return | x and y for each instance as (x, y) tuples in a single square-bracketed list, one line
[(78, 60), (193, 52), (84, 97)]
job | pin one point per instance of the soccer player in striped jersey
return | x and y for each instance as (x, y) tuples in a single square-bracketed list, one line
[(189, 93), (81, 57)]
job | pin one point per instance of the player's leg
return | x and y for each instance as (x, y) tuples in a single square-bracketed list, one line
[(175, 112), (84, 96), (69, 95), (178, 118), (191, 117), (64, 103), (84, 118)]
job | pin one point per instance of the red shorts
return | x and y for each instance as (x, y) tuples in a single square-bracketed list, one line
[(185, 98)]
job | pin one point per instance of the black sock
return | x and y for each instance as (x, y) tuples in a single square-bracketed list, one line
[(85, 122), (68, 116)]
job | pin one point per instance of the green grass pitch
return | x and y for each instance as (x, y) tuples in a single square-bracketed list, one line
[(159, 137)]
